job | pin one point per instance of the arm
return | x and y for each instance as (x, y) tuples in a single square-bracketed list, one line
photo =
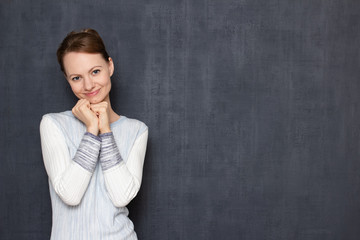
[(122, 179), (68, 177)]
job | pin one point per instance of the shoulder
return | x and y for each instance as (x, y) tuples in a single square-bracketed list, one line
[(60, 115), (130, 125), (134, 122), (60, 119)]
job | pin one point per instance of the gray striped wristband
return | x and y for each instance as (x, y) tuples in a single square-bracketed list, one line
[(109, 152), (88, 152)]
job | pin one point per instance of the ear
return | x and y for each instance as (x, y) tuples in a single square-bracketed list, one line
[(111, 66)]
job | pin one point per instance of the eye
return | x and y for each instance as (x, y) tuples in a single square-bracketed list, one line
[(95, 71), (75, 78)]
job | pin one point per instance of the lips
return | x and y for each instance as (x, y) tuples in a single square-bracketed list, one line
[(91, 94)]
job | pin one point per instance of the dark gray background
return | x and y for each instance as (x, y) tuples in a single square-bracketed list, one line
[(252, 106)]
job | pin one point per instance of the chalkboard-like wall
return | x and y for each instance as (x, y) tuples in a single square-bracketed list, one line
[(252, 108)]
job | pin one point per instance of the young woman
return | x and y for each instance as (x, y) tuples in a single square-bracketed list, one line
[(93, 156)]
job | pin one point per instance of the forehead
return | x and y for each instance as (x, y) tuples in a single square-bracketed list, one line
[(77, 62)]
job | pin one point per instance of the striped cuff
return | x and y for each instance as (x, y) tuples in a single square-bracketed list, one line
[(109, 152), (88, 152)]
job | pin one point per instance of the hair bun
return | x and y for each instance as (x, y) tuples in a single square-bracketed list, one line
[(87, 40), (91, 31)]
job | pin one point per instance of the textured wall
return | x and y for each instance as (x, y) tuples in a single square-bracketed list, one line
[(252, 106)]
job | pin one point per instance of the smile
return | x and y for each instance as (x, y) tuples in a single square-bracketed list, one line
[(92, 93)]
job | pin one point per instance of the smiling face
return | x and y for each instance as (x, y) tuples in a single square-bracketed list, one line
[(89, 75)]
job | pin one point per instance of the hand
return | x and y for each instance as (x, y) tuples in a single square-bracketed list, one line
[(102, 111), (83, 112)]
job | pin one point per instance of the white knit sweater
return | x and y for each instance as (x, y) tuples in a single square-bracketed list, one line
[(88, 198)]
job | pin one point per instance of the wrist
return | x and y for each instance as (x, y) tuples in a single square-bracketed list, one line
[(105, 130), (93, 130)]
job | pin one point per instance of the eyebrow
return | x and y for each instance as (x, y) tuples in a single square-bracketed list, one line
[(88, 71)]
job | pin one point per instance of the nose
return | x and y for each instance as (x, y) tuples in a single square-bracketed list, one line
[(88, 83)]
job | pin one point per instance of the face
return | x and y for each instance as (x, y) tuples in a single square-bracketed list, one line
[(89, 75)]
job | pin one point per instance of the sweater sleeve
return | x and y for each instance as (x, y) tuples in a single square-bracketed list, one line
[(69, 177), (122, 179)]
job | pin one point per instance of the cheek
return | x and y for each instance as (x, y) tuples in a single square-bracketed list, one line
[(106, 82), (75, 88), (109, 85)]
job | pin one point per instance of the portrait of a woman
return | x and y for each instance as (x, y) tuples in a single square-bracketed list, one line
[(93, 156)]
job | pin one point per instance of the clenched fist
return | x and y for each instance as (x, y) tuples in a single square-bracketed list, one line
[(84, 113), (102, 111)]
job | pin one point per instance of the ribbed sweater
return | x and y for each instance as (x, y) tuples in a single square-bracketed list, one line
[(92, 178)]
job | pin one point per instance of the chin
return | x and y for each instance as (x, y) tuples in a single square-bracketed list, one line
[(97, 99), (94, 101)]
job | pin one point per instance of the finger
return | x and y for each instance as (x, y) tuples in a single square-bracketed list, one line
[(98, 108), (99, 111), (82, 101), (80, 104), (104, 104), (77, 104), (75, 109), (101, 107), (85, 105)]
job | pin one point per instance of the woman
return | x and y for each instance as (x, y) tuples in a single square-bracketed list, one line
[(93, 156)]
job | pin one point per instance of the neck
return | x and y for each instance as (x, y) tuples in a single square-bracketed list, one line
[(113, 115)]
